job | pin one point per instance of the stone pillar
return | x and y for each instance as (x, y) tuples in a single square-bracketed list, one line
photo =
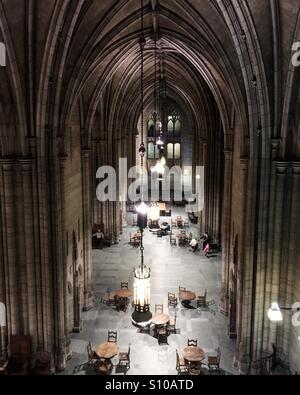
[(226, 232), (58, 262), (63, 163), (277, 245), (241, 273), (87, 228), (206, 190), (8, 224), (28, 252), (290, 255)]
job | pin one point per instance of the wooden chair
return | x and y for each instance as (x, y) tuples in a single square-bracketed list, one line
[(162, 336), (92, 356), (124, 360), (192, 343), (19, 356), (159, 309), (3, 368), (182, 289), (112, 337), (121, 304), (42, 364), (124, 285), (195, 369), (171, 327), (105, 368), (172, 300), (213, 362), (181, 367), (111, 298), (201, 300)]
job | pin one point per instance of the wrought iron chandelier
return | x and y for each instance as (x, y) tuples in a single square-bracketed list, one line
[(142, 275)]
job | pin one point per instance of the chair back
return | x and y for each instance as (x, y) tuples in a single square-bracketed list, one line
[(20, 348), (124, 285), (182, 289), (177, 359), (112, 336), (171, 296), (129, 349), (192, 343), (159, 309), (219, 355), (90, 350)]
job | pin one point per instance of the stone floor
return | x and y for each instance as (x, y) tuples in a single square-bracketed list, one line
[(170, 267)]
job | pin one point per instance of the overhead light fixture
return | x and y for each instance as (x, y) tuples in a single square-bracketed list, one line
[(274, 313), (142, 315)]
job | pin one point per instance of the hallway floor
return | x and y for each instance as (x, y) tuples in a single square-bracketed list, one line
[(170, 267)]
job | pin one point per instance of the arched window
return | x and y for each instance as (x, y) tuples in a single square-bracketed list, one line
[(177, 151), (174, 136), (151, 151), (170, 151), (151, 128)]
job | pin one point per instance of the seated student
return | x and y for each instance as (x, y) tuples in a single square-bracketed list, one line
[(207, 250), (194, 245), (100, 238)]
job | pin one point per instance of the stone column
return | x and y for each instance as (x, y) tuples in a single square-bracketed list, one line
[(58, 261), (277, 246), (206, 190), (28, 251), (241, 344), (290, 255), (87, 228), (226, 233), (63, 163), (7, 197)]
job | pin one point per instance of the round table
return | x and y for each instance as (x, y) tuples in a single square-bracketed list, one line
[(187, 296), (107, 350), (160, 319), (124, 293), (193, 354)]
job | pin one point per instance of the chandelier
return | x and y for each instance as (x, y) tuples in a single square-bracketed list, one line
[(142, 275)]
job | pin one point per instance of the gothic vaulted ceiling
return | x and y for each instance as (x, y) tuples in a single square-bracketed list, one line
[(208, 51)]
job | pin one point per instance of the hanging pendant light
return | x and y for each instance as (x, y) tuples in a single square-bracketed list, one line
[(142, 315)]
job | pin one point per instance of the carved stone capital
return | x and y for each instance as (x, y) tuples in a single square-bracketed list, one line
[(86, 153), (26, 164), (7, 164), (244, 164), (228, 154), (296, 168), (282, 168)]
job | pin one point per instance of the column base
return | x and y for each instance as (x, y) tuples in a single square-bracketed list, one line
[(223, 308), (88, 301), (77, 329), (68, 349)]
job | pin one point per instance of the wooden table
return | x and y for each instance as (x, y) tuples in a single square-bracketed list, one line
[(160, 319), (193, 354), (107, 350), (186, 297), (124, 293)]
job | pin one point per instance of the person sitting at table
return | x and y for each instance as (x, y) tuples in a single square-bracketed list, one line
[(99, 238), (207, 250), (165, 228), (194, 245)]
